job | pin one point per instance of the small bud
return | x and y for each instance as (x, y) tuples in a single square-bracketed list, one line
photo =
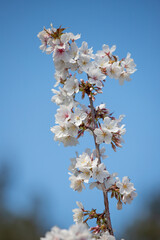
[(99, 91), (103, 227), (112, 194), (119, 205)]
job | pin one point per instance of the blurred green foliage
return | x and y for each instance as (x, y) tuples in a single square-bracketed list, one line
[(12, 225), (147, 226)]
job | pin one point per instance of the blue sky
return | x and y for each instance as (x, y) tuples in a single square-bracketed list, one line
[(27, 113)]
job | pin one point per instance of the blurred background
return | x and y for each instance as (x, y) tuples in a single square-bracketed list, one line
[(34, 184)]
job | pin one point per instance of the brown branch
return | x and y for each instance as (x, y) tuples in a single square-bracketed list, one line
[(105, 195)]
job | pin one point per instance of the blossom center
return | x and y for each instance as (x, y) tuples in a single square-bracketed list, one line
[(125, 186), (61, 50), (66, 115)]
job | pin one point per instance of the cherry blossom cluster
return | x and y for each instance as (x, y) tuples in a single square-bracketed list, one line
[(124, 191), (68, 59), (86, 167), (100, 230), (69, 119), (76, 232), (110, 132), (67, 56), (80, 72)]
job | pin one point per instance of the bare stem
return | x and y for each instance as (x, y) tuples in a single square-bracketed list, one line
[(105, 195)]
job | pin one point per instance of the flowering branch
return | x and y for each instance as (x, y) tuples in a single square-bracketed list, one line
[(94, 127), (106, 203), (73, 119)]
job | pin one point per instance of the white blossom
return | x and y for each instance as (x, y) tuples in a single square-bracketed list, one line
[(85, 50), (63, 114), (102, 62), (128, 64), (71, 86), (114, 70), (78, 213), (85, 175), (85, 161), (76, 183), (72, 166), (74, 37), (51, 46), (79, 116), (60, 131), (60, 67), (99, 172), (95, 184), (79, 232), (103, 135), (61, 53), (110, 180), (95, 76), (124, 76), (107, 236), (127, 198), (54, 234), (74, 51), (75, 232), (101, 106), (68, 141), (110, 124), (84, 62), (61, 97), (44, 37), (72, 129), (125, 187), (106, 51)]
